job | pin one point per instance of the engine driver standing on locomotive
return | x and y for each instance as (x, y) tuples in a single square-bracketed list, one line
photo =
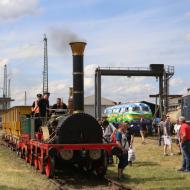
[(44, 106), (59, 105), (122, 143)]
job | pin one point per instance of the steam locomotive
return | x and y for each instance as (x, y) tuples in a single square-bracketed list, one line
[(75, 138)]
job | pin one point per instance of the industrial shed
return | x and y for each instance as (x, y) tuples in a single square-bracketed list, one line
[(89, 104)]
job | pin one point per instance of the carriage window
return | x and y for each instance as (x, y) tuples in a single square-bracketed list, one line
[(122, 110), (116, 110), (109, 111), (145, 108), (127, 109), (135, 108)]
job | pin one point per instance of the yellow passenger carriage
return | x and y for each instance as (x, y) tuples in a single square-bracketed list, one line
[(11, 122)]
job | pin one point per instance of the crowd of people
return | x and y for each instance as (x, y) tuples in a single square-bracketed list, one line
[(123, 135)]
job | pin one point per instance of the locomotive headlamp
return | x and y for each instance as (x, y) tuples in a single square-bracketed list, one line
[(95, 154), (66, 154), (84, 153)]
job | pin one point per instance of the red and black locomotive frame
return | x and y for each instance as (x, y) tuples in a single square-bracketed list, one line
[(41, 155)]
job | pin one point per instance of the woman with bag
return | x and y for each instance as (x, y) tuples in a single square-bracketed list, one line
[(130, 138)]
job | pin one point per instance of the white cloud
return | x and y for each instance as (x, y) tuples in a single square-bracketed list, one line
[(174, 82), (3, 62), (89, 70), (57, 88), (88, 83), (12, 9), (24, 51)]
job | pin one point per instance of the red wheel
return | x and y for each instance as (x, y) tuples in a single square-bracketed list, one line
[(31, 160), (36, 163), (22, 153), (18, 152), (101, 166), (50, 167), (41, 166), (26, 157)]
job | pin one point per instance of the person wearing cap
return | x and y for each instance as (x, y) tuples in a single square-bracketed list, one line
[(44, 105), (35, 107)]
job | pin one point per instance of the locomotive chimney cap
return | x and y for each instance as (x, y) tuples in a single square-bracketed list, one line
[(77, 47)]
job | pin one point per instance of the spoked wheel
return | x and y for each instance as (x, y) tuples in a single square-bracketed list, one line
[(36, 163), (18, 152), (50, 167), (26, 157), (22, 153), (41, 166), (101, 166), (31, 159)]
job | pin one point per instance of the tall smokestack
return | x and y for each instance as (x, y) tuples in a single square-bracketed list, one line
[(78, 76)]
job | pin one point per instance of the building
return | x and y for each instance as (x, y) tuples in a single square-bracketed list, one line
[(4, 105), (89, 104), (174, 104)]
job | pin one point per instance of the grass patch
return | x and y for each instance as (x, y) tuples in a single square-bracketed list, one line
[(15, 174), (153, 171)]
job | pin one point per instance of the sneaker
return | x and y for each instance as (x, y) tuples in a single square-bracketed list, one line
[(186, 170), (181, 170), (165, 154), (171, 154)]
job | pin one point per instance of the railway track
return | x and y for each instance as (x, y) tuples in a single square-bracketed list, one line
[(75, 179), (61, 184)]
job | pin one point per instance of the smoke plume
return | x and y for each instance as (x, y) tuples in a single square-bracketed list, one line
[(60, 39)]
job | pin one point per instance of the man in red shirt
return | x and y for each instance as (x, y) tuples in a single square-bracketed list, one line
[(185, 144)]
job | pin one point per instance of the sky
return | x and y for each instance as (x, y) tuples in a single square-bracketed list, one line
[(122, 33)]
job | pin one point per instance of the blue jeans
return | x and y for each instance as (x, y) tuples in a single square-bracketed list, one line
[(186, 155)]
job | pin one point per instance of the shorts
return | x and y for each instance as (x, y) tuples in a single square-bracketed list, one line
[(167, 140)]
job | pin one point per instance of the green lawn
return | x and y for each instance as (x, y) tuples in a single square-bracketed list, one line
[(15, 174), (153, 171), (150, 171)]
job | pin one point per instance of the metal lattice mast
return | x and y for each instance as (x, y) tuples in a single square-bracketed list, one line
[(45, 71), (5, 82), (9, 93), (9, 88)]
